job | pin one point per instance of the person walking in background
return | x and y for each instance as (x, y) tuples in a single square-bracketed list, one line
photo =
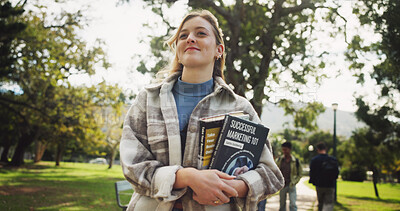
[(324, 171), (291, 170)]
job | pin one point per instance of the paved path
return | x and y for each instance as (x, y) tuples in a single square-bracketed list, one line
[(306, 198)]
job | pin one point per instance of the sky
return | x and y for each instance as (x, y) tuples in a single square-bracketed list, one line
[(121, 29)]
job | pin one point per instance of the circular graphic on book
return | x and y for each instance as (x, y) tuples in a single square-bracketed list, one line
[(239, 165)]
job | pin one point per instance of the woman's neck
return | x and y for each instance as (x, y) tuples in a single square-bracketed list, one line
[(196, 75)]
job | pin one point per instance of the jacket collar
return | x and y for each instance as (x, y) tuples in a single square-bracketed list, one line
[(168, 83), (293, 159)]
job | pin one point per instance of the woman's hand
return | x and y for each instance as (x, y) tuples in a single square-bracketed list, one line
[(239, 185), (208, 186), (241, 170)]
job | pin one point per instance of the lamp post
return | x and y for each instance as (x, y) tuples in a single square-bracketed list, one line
[(334, 107), (310, 150)]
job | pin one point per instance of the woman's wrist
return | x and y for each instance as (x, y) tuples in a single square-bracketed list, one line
[(242, 189), (182, 177)]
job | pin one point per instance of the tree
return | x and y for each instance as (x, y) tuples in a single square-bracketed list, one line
[(369, 151), (10, 27), (48, 51), (110, 119), (382, 116), (267, 45)]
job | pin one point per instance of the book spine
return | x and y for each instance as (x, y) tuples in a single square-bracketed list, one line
[(201, 140), (219, 141)]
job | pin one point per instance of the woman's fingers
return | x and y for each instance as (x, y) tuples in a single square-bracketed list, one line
[(223, 175), (228, 190), (209, 187)]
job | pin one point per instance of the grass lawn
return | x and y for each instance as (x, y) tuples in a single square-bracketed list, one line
[(71, 186), (361, 196)]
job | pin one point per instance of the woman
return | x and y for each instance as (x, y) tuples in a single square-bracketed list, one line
[(159, 144)]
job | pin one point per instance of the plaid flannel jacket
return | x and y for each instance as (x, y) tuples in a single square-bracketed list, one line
[(150, 149)]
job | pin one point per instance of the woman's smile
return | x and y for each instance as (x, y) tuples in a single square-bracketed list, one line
[(192, 49)]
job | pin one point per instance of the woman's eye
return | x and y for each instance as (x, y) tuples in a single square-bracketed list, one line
[(201, 33), (182, 36)]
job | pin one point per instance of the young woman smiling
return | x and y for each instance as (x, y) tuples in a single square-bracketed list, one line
[(159, 144)]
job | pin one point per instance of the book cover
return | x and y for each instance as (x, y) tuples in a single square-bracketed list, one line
[(239, 145), (209, 132)]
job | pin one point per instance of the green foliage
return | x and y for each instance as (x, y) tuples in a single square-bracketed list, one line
[(381, 116), (266, 43), (46, 108), (354, 173), (378, 145), (304, 117), (360, 196), (366, 150), (10, 27)]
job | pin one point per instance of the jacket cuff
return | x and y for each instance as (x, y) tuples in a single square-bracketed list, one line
[(254, 182), (163, 182)]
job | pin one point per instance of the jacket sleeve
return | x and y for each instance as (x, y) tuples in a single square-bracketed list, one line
[(312, 172), (298, 174), (148, 176), (265, 180)]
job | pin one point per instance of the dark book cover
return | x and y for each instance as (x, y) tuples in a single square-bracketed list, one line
[(209, 132), (239, 145)]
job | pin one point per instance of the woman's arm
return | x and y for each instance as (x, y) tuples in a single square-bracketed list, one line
[(240, 186), (148, 175), (208, 185)]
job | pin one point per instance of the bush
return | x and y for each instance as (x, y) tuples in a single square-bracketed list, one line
[(355, 173)]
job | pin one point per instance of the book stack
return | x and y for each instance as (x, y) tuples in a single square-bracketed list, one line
[(230, 142)]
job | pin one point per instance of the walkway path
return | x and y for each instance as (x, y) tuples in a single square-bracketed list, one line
[(306, 198)]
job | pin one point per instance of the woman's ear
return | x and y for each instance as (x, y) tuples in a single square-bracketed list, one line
[(220, 50)]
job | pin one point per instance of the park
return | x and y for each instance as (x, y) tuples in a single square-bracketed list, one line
[(314, 71)]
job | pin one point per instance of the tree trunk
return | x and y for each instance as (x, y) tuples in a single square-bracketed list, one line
[(4, 154), (375, 181), (112, 156), (24, 142), (59, 154), (39, 151)]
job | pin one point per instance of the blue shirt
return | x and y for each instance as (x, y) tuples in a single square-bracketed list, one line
[(187, 96)]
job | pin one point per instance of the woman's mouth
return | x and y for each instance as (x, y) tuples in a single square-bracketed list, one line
[(191, 49)]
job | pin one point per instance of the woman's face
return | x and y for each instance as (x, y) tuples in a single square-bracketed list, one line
[(196, 45)]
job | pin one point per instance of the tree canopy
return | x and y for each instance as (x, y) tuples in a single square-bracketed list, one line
[(44, 107), (383, 115), (381, 138), (267, 45)]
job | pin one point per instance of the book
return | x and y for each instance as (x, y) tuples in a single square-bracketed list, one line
[(209, 130), (239, 146)]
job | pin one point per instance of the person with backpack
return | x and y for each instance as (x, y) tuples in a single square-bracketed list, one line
[(324, 171), (291, 170)]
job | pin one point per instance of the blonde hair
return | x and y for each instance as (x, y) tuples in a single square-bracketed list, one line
[(219, 64)]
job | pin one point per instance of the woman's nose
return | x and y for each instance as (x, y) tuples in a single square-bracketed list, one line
[(190, 38)]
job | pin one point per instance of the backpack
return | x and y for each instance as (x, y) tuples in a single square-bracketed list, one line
[(330, 169)]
